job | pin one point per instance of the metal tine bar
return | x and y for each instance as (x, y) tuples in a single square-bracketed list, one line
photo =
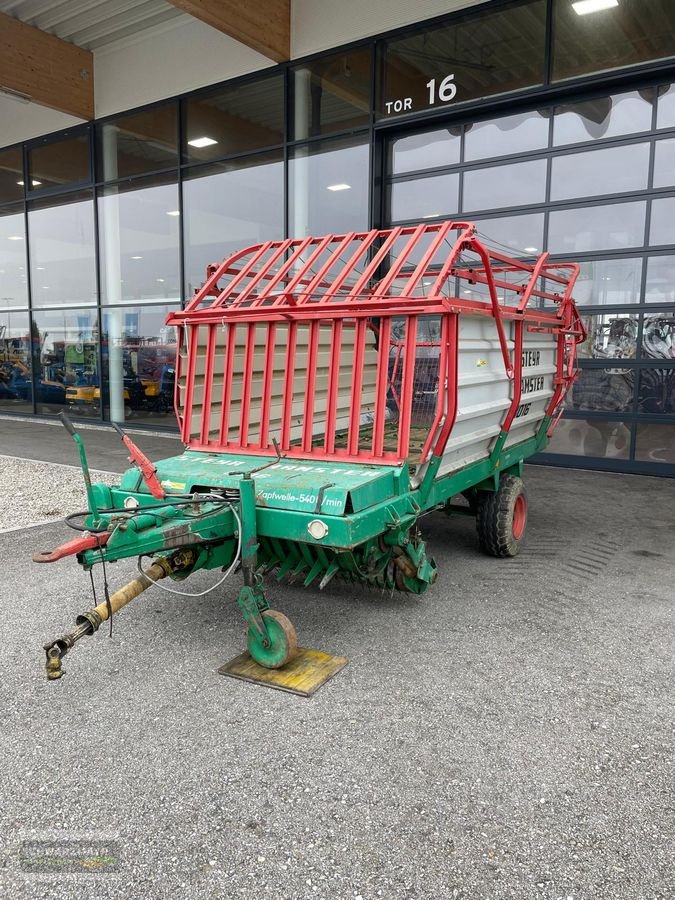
[(247, 377), (427, 258), (230, 344), (362, 247), (268, 377), (191, 344), (314, 255), (401, 259), (244, 273), (444, 387), (310, 388), (333, 385), (281, 273), (373, 265), (452, 386), (261, 273), (289, 377), (357, 386), (383, 350), (407, 387), (330, 262), (221, 270), (467, 231), (178, 374), (208, 384)]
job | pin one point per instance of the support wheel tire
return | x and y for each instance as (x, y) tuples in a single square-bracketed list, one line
[(283, 641), (501, 518)]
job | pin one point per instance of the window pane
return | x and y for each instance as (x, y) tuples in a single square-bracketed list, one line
[(488, 52), (664, 164), (234, 120), (610, 227), (13, 280), (594, 172), (662, 230), (229, 206), (608, 281), (139, 242), (67, 364), (144, 142), (610, 336), (425, 198), (509, 134), (591, 437), (331, 94), (425, 151), (603, 117), (603, 390), (518, 235), (139, 364), (660, 279), (665, 111), (514, 185), (655, 443), (626, 34), (11, 175), (328, 188), (658, 336), (63, 262), (58, 163), (16, 389), (656, 391)]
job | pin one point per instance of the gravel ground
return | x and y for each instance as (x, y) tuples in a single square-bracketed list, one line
[(507, 736), (41, 492)]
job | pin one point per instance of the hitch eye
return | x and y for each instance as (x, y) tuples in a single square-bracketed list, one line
[(130, 503)]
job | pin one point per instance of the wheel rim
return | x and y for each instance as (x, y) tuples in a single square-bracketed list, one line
[(519, 517), (283, 641)]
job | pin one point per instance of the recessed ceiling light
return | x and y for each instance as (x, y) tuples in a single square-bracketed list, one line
[(338, 187), (584, 7), (202, 142), (431, 216), (20, 182), (45, 287), (160, 279), (35, 183), (40, 268), (137, 257), (531, 249), (173, 212), (15, 237)]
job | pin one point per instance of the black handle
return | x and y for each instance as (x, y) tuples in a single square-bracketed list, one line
[(118, 429), (67, 424)]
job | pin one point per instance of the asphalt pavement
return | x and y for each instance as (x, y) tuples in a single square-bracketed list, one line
[(507, 736)]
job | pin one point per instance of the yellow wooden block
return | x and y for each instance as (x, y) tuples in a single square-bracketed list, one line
[(304, 675)]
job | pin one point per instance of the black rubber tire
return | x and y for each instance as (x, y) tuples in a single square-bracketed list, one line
[(495, 517)]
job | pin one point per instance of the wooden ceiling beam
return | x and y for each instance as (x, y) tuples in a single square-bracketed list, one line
[(45, 69), (264, 26)]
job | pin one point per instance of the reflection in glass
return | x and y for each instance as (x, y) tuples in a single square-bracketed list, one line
[(425, 198), (139, 364), (655, 443), (665, 111), (610, 336), (234, 119), (426, 151), (662, 230), (11, 175), (603, 390), (62, 258), (138, 143), (505, 135), (138, 239), (626, 34), (604, 171), (519, 235), (591, 437), (331, 94), (16, 389), (608, 281), (13, 280), (660, 279), (58, 163), (664, 164), (490, 53), (328, 187), (515, 185), (656, 391), (658, 336), (228, 206), (603, 117), (609, 227), (65, 345)]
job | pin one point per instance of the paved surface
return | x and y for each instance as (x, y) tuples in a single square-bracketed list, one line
[(508, 736)]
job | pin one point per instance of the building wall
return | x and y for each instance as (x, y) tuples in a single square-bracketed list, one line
[(20, 121)]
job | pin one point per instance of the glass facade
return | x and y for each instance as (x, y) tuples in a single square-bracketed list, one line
[(105, 228)]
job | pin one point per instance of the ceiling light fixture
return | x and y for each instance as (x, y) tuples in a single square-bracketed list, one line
[(15, 237), (202, 142), (531, 249), (584, 7), (431, 216), (137, 257), (338, 187), (173, 212)]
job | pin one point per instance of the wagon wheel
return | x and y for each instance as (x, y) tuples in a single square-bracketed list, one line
[(283, 641), (501, 517)]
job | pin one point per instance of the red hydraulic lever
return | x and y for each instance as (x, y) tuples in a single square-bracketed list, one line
[(138, 458)]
